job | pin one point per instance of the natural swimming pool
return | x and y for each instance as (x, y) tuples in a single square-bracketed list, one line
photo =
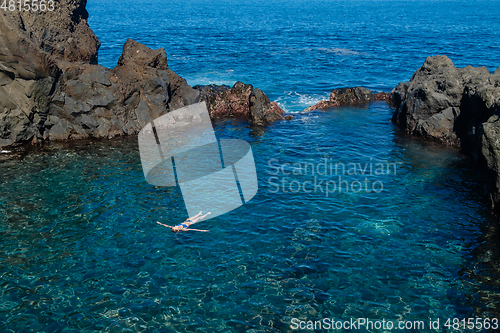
[(81, 248)]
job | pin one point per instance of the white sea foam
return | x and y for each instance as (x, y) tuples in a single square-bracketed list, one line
[(312, 99), (294, 102), (282, 105)]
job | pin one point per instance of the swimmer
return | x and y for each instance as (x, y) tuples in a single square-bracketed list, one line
[(184, 226)]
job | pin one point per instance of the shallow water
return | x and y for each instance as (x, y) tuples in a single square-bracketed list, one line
[(81, 250)]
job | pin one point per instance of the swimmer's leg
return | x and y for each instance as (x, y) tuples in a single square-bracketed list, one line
[(202, 217), (199, 218)]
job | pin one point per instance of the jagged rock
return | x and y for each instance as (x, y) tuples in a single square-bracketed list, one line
[(240, 101), (144, 72), (381, 96), (439, 125), (63, 33), (31, 46), (445, 103), (490, 150), (60, 129), (434, 88), (349, 97), (262, 110), (75, 99), (224, 101), (52, 88), (87, 122), (75, 107), (454, 106)]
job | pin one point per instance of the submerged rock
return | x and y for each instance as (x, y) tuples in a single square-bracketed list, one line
[(349, 97), (454, 106)]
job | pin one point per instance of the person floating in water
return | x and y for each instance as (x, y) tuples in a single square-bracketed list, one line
[(184, 226)]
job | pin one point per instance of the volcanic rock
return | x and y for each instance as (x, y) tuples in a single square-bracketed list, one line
[(239, 101), (354, 96), (454, 106), (51, 87)]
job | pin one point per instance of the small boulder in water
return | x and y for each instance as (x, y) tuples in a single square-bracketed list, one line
[(349, 97), (239, 101)]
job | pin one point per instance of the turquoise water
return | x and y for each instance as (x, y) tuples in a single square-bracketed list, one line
[(81, 250)]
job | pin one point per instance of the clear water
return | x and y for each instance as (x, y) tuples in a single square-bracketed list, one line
[(80, 248)]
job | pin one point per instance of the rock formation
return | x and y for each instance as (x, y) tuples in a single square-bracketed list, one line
[(225, 101), (52, 88), (455, 106), (30, 48), (349, 97), (262, 110), (240, 101)]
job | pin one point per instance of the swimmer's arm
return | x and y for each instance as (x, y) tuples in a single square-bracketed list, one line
[(164, 225), (185, 229)]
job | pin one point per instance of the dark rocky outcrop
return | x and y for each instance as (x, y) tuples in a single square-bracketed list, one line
[(224, 101), (91, 100), (455, 106), (30, 48), (262, 110), (81, 100), (51, 87), (239, 101), (349, 97), (428, 105)]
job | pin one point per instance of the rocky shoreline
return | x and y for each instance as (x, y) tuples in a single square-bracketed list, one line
[(52, 88), (457, 107)]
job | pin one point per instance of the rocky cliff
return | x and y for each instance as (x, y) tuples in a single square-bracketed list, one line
[(454, 106), (51, 87)]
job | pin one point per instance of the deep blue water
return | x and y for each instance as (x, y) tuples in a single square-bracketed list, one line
[(80, 248), (298, 51)]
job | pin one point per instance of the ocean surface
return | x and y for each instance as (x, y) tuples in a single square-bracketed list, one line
[(405, 235), (298, 51)]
